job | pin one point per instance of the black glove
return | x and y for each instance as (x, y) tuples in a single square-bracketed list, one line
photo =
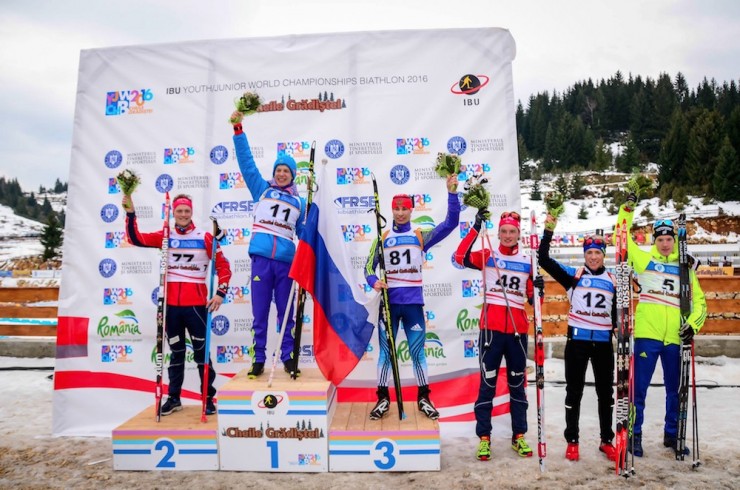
[(218, 232), (539, 283), (631, 200), (687, 333), (482, 215)]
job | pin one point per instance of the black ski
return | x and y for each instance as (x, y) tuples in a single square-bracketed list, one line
[(385, 312), (685, 306), (298, 327)]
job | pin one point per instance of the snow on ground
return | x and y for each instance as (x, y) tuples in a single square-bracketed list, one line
[(31, 458)]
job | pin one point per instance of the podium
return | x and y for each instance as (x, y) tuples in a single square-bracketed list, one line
[(180, 441), (282, 428), (357, 443)]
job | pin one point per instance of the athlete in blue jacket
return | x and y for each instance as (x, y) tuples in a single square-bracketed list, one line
[(279, 214)]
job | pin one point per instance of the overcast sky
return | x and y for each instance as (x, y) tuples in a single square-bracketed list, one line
[(558, 43)]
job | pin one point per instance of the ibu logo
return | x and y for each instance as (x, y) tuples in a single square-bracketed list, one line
[(219, 154), (113, 159)]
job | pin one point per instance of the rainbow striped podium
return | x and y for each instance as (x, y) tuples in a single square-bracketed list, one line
[(180, 441), (282, 428), (357, 443)]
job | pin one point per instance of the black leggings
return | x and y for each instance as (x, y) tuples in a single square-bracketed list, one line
[(577, 355)]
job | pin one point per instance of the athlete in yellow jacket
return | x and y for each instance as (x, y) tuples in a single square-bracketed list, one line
[(659, 329)]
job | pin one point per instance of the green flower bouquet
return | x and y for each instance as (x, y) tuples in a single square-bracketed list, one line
[(447, 165), (476, 195), (554, 203), (128, 181)]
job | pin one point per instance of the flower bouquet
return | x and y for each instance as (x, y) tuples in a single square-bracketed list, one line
[(246, 105), (128, 181), (475, 194), (554, 203), (447, 165)]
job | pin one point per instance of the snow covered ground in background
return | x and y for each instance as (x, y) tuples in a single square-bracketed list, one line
[(31, 458)]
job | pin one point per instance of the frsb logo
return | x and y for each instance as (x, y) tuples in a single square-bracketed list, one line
[(467, 171), (231, 180), (117, 296), (127, 102), (116, 353), (356, 175), (236, 236), (226, 354), (412, 146), (116, 239), (472, 288), (296, 149), (237, 295), (179, 155), (356, 233)]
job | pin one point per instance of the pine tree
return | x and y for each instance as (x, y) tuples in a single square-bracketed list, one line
[(576, 186), (51, 238), (702, 153), (602, 156), (727, 173), (582, 212), (630, 157), (536, 194), (561, 185), (673, 151)]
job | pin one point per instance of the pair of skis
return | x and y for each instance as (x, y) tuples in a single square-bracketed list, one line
[(385, 312), (687, 354), (539, 346), (624, 396)]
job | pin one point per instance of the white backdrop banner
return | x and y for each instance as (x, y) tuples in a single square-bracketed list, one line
[(381, 102)]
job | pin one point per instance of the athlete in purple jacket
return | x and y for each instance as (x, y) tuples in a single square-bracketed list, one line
[(403, 250)]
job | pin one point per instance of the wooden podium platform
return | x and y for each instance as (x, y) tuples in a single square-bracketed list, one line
[(357, 443), (180, 441), (282, 428)]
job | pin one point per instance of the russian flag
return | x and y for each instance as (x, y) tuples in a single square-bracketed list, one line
[(344, 318)]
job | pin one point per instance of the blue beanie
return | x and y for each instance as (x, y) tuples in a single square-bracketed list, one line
[(286, 160)]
